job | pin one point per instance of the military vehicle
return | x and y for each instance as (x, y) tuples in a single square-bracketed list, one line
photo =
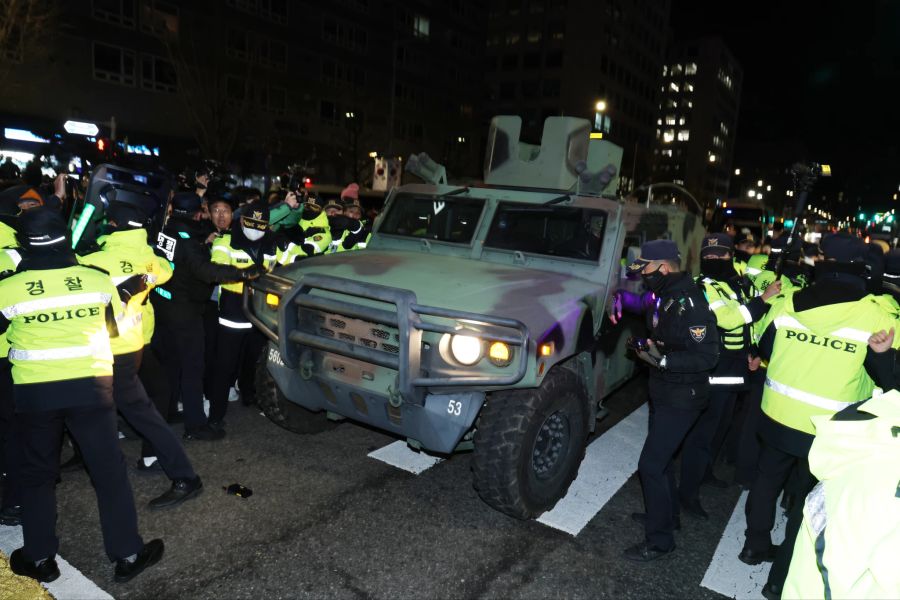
[(476, 318)]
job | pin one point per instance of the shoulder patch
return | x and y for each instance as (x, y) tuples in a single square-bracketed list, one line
[(698, 332)]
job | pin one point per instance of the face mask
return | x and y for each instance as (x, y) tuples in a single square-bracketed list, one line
[(741, 255), (654, 280), (252, 234), (717, 268)]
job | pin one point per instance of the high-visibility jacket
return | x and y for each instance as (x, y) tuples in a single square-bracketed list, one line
[(816, 366), (58, 323), (9, 260), (740, 266), (231, 312), (848, 544), (127, 257), (7, 236), (734, 316), (315, 242)]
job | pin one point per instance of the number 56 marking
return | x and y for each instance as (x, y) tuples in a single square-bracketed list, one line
[(455, 408)]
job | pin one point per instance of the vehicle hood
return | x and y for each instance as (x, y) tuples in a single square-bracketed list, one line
[(539, 299)]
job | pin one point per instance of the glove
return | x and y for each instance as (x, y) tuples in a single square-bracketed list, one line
[(651, 355), (615, 307), (130, 287), (338, 222), (251, 273)]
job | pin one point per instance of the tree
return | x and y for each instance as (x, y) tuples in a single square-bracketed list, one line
[(25, 26), (215, 102)]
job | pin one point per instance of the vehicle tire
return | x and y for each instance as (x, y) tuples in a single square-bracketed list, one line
[(282, 411), (529, 444)]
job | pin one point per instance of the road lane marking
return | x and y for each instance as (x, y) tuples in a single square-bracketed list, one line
[(71, 585), (400, 455), (608, 463), (729, 576)]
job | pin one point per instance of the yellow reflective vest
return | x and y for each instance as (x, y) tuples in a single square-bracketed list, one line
[(224, 254), (848, 544), (57, 323), (9, 260), (732, 315), (816, 367), (126, 255)]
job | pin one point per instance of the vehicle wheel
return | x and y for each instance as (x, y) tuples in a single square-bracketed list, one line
[(282, 411), (529, 444)]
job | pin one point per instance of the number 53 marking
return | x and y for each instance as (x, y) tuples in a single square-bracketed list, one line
[(455, 408)]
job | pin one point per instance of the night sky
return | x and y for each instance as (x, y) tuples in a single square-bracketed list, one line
[(821, 75)]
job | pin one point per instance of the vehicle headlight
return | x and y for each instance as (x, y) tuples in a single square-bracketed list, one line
[(466, 349), (500, 354)]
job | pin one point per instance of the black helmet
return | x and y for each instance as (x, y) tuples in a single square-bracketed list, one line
[(42, 229)]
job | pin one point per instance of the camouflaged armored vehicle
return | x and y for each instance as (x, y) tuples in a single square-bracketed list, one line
[(475, 320)]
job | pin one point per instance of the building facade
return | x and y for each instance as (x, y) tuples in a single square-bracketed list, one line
[(697, 120), (552, 57), (264, 83)]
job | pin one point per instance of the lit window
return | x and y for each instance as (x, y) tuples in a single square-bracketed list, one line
[(676, 70), (690, 69), (421, 26), (512, 38), (718, 143), (665, 70), (667, 152), (723, 128), (534, 36), (684, 135), (681, 121), (668, 136), (672, 86), (659, 121), (690, 104), (689, 87), (670, 120), (712, 158)]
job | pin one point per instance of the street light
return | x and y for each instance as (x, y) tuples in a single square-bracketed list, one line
[(601, 123), (601, 105), (759, 183), (737, 171), (751, 193)]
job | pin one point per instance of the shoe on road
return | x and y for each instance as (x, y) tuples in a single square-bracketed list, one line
[(147, 465), (148, 556), (641, 518), (771, 591), (204, 434), (645, 552), (753, 557), (181, 491), (45, 572)]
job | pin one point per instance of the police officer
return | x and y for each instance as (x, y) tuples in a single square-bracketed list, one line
[(682, 349), (744, 248), (10, 449), (847, 547), (312, 235), (56, 315), (815, 341), (179, 308), (239, 344), (734, 314), (136, 270)]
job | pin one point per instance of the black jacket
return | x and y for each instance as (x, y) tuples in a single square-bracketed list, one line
[(685, 330), (194, 276)]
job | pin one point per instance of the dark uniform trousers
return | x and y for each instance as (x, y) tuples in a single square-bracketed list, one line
[(237, 352), (93, 425), (669, 426), (134, 404), (774, 467), (701, 446), (155, 380), (10, 447), (747, 452), (181, 343)]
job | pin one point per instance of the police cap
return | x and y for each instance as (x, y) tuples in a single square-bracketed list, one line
[(42, 228), (716, 244), (186, 203), (843, 248), (655, 250)]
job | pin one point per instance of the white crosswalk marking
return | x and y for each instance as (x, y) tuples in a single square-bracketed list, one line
[(400, 455), (71, 585), (608, 463), (729, 576)]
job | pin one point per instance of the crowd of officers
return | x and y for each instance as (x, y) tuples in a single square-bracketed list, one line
[(783, 364), (140, 329)]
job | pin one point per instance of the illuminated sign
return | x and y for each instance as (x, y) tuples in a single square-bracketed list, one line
[(23, 135), (81, 128), (141, 149)]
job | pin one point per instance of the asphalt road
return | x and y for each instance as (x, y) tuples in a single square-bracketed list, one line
[(326, 520)]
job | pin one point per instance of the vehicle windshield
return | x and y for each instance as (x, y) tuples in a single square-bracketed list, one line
[(549, 230), (444, 219)]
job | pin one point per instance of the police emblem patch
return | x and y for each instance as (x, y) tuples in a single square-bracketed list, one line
[(698, 333), (712, 242)]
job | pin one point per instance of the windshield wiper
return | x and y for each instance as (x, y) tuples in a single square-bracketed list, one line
[(557, 200), (455, 192)]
